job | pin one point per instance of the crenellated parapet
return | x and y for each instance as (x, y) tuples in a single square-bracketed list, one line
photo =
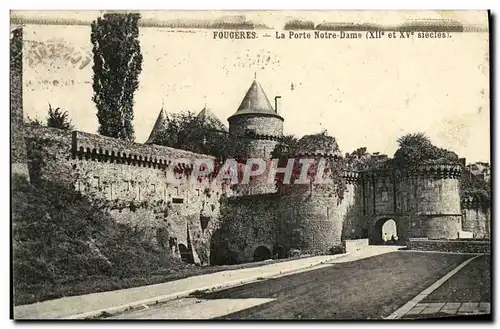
[(105, 149), (437, 171), (318, 155), (351, 177), (373, 175), (263, 137)]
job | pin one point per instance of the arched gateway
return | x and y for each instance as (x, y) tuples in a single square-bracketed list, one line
[(261, 253), (386, 226)]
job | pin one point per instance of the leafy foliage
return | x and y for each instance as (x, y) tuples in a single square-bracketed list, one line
[(291, 147), (415, 149), (286, 149), (186, 131), (360, 159), (34, 121), (475, 188), (318, 143), (58, 119), (117, 65)]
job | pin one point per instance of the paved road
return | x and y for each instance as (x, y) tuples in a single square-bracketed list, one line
[(370, 288), (468, 292), (470, 284)]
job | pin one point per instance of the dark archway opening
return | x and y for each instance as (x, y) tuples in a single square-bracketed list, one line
[(385, 232), (261, 253), (220, 253), (223, 256), (186, 254)]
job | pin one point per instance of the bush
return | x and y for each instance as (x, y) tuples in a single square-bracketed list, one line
[(416, 149), (336, 250), (294, 253), (58, 118)]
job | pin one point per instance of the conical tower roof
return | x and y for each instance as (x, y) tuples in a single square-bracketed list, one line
[(158, 127), (255, 102), (209, 117)]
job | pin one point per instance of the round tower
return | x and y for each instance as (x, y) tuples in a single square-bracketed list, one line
[(256, 126), (430, 196), (311, 220)]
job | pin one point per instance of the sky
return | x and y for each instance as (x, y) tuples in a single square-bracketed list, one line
[(363, 92)]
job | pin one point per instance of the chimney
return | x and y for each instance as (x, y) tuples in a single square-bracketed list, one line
[(276, 103)]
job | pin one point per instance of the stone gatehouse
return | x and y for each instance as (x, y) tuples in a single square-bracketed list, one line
[(209, 222)]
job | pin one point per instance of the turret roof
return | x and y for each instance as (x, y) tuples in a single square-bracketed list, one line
[(255, 102), (158, 127), (211, 118)]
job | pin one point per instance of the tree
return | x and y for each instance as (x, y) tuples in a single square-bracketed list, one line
[(286, 148), (58, 119), (175, 125), (415, 149), (321, 142), (311, 146), (186, 131), (361, 159), (475, 187), (117, 65)]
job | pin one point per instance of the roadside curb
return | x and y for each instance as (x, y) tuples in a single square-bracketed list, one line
[(400, 312), (106, 312), (446, 252)]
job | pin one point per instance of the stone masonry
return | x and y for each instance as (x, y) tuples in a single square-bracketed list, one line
[(18, 148), (205, 221)]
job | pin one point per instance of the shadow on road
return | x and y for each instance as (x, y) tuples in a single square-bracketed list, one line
[(370, 288)]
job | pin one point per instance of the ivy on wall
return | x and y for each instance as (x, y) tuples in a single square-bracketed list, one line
[(315, 146)]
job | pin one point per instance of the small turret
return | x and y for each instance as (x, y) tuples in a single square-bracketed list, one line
[(255, 102), (256, 124), (211, 119), (158, 128)]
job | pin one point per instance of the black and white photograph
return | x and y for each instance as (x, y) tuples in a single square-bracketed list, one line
[(250, 165)]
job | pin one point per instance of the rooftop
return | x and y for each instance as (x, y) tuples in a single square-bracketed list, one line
[(158, 127), (209, 117), (255, 102)]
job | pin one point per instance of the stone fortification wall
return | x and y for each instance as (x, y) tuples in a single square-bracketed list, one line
[(430, 197), (132, 179), (247, 223), (257, 124), (259, 134), (465, 246), (18, 147), (476, 219), (379, 193), (312, 217), (355, 224), (424, 201)]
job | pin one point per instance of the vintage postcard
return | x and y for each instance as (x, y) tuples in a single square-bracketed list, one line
[(250, 165)]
